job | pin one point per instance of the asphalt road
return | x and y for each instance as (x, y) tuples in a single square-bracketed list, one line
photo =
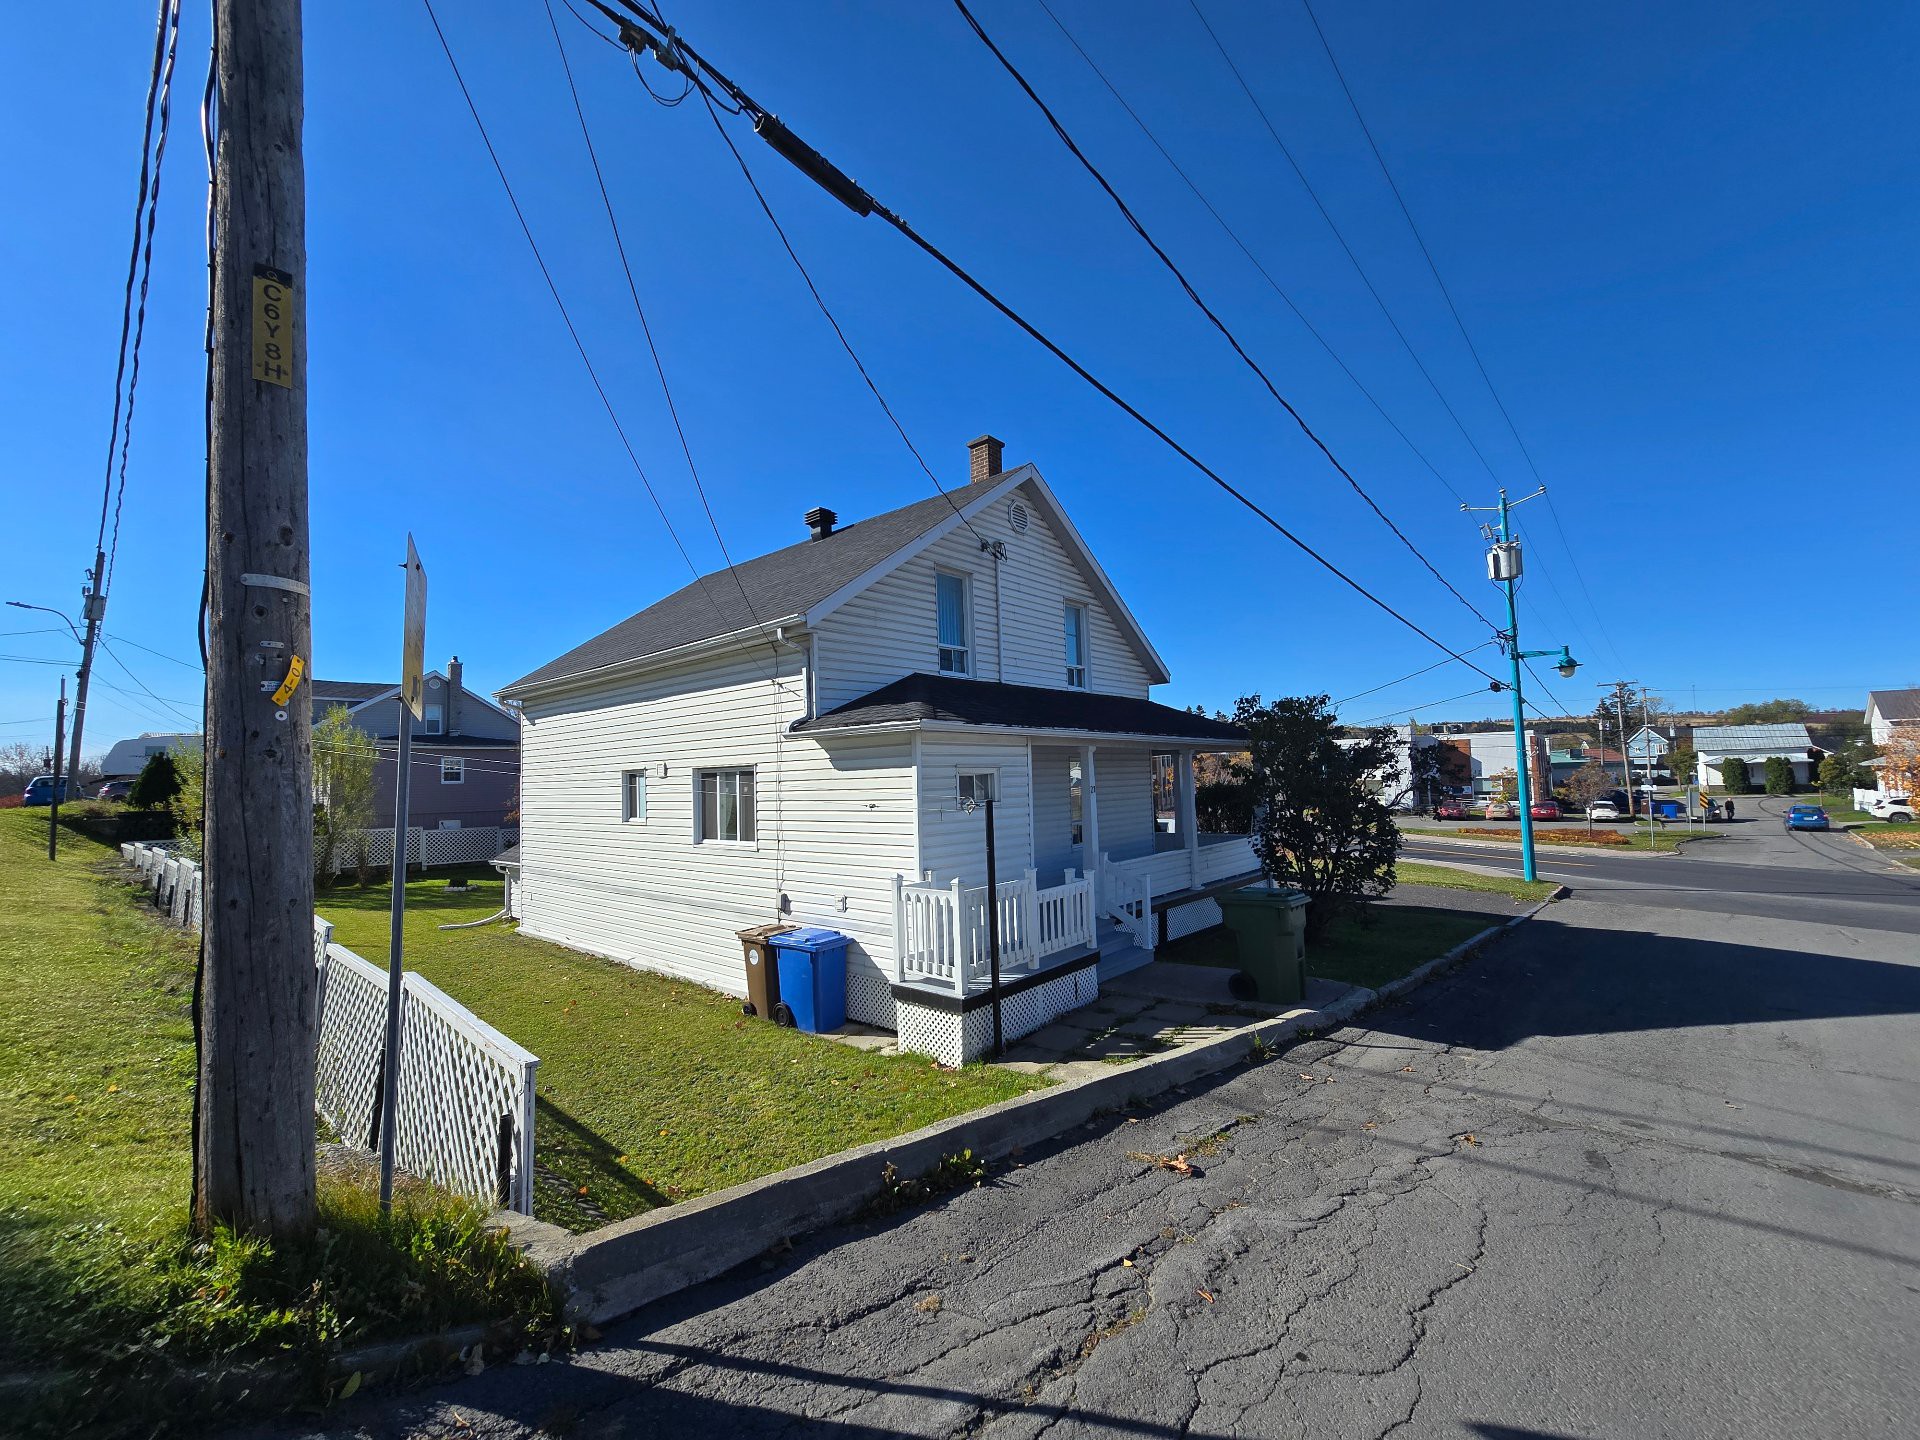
[(1647, 1167)]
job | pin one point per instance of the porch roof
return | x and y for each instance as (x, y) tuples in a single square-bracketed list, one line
[(948, 700)]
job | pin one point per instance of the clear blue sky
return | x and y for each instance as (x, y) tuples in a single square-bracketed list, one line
[(1683, 237)]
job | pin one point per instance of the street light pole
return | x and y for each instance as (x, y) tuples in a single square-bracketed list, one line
[(1503, 568)]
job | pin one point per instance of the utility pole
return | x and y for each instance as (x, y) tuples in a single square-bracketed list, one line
[(93, 609), (53, 815), (1622, 690), (253, 1121), (1503, 568)]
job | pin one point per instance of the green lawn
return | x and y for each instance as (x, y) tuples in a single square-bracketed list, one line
[(1604, 837), (99, 1275), (1412, 872), (1382, 945), (652, 1089)]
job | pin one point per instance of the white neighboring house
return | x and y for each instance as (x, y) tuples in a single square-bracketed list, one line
[(807, 738), (1755, 744), (128, 758), (1888, 710)]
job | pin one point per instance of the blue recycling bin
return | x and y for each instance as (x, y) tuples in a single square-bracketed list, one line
[(813, 979)]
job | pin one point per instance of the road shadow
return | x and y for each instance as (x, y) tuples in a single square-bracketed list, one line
[(1601, 982), (579, 1179)]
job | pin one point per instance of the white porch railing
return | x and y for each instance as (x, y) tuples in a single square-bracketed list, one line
[(1126, 896), (941, 936)]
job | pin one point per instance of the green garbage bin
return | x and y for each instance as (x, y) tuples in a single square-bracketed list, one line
[(1269, 929)]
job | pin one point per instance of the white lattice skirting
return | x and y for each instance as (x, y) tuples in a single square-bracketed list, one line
[(934, 1024), (1192, 918)]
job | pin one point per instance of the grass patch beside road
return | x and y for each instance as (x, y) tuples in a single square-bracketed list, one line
[(1413, 872), (1370, 949), (99, 1273), (1622, 838), (652, 1089)]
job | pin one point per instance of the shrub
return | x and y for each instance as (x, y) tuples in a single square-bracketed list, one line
[(157, 784), (1734, 776), (1224, 807), (1779, 775)]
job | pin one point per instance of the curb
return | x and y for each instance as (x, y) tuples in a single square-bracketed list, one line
[(615, 1270), (1513, 846)]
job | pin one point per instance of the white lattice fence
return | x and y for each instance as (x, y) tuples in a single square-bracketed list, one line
[(469, 845), (466, 1090)]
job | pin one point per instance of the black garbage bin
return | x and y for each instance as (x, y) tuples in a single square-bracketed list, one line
[(763, 976)]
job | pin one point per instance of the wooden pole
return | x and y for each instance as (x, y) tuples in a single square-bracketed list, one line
[(253, 1132)]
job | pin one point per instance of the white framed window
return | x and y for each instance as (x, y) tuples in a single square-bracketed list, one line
[(448, 825), (724, 811), (953, 603), (1074, 633), (633, 795), (979, 786), (453, 770), (1075, 797), (434, 722)]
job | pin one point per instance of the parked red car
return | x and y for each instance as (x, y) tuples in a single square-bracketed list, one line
[(1452, 810), (1544, 810)]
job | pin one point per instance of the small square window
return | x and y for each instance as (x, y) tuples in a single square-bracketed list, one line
[(453, 770), (979, 786), (633, 795)]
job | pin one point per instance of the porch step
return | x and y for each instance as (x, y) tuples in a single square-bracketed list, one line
[(1120, 959)]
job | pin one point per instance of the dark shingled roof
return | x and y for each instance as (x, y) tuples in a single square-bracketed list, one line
[(953, 700), (348, 692), (508, 856), (785, 583)]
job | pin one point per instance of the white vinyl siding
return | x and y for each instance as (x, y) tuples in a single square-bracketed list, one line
[(953, 841), (890, 629), (835, 821)]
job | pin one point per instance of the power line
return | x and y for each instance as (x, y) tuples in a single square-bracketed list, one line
[(1430, 705), (633, 289), (184, 664), (175, 706), (678, 54), (1452, 309), (1252, 259), (1140, 229), (1354, 259), (1415, 674)]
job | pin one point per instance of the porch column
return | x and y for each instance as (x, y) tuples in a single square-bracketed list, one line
[(1089, 813), (1186, 815)]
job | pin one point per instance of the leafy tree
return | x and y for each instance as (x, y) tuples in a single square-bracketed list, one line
[(1423, 774), (1734, 776), (1779, 775), (1224, 807), (1507, 783), (188, 805), (1900, 761), (156, 785), (1683, 763), (1321, 822), (1590, 782), (344, 760), (1767, 712), (1838, 774)]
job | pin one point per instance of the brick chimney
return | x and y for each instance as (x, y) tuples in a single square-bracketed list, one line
[(820, 522), (454, 696), (984, 457)]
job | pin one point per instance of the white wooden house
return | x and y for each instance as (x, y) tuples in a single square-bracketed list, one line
[(806, 738)]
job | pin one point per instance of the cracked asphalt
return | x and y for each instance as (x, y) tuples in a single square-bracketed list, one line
[(1641, 1169)]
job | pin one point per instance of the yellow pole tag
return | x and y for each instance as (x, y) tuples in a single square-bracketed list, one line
[(296, 667), (273, 326)]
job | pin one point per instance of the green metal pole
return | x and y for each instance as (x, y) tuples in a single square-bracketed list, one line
[(1520, 756)]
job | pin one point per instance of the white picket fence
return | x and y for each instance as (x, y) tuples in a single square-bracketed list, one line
[(466, 1090), (429, 849)]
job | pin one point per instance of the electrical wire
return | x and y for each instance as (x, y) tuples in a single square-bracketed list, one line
[(1252, 259), (1425, 669), (1430, 705), (1446, 294), (130, 358), (160, 654), (174, 705), (1186, 285), (683, 53)]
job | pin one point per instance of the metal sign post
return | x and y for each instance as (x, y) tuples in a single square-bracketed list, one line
[(413, 651)]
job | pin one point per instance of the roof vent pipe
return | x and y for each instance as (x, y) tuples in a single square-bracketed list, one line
[(820, 522)]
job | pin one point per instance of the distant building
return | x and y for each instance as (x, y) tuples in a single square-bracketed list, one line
[(129, 757), (1486, 754), (1755, 744), (1888, 710)]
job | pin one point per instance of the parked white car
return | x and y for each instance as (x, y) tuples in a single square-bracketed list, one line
[(1605, 810), (1894, 812)]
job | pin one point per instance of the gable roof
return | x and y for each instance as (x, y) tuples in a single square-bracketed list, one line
[(954, 700), (1761, 740), (347, 692), (1896, 704), (809, 580)]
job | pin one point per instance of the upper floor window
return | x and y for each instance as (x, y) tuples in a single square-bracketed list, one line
[(1076, 644), (952, 602), (726, 805), (453, 770), (434, 723)]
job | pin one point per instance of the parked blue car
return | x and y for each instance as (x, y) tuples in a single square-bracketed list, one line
[(1806, 817), (40, 791)]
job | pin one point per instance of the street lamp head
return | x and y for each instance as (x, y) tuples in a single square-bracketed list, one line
[(1567, 664)]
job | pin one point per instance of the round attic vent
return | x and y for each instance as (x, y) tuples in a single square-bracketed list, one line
[(1017, 517), (433, 684)]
